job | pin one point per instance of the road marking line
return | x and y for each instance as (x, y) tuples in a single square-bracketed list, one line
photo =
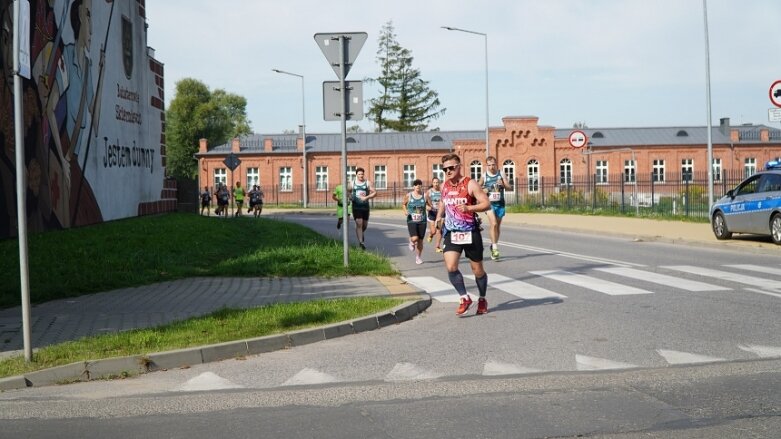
[(519, 288), (662, 279), (723, 275), (762, 351), (570, 255), (493, 368), (583, 362), (437, 289), (592, 283), (759, 268), (208, 381), (767, 293), (309, 376), (678, 357), (410, 372)]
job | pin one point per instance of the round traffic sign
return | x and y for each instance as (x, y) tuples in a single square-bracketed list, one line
[(577, 139), (775, 93)]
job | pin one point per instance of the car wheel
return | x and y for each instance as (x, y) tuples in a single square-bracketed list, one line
[(775, 228), (720, 227)]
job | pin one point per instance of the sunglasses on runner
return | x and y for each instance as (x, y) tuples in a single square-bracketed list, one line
[(450, 168)]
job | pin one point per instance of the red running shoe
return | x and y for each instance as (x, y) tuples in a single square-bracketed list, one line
[(482, 306), (466, 302)]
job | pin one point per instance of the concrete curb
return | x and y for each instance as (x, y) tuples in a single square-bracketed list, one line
[(139, 364)]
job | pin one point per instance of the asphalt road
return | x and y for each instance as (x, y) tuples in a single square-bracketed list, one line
[(587, 335)]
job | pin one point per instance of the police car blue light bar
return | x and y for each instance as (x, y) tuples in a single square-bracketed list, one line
[(773, 164)]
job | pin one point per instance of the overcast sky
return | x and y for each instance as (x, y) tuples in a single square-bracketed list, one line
[(608, 63)]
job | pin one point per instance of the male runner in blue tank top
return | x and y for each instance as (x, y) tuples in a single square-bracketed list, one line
[(493, 184)]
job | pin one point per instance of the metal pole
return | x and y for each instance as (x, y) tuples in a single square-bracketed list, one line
[(485, 36), (305, 192), (342, 85), (21, 202), (707, 86)]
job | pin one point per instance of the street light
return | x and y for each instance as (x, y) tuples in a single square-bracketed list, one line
[(485, 36), (303, 127)]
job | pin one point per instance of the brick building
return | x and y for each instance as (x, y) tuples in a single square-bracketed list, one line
[(530, 155)]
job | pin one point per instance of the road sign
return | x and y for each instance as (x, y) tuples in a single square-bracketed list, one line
[(232, 161), (577, 139), (332, 100), (329, 44), (775, 93), (774, 115)]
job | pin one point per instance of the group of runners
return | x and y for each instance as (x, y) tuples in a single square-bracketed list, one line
[(449, 212), (222, 196)]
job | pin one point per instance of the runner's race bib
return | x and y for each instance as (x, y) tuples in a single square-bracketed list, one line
[(461, 238), (360, 193), (494, 196), (417, 217)]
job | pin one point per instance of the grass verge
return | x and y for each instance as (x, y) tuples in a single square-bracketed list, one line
[(221, 326)]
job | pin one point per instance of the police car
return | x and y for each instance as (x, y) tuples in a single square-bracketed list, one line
[(754, 206)]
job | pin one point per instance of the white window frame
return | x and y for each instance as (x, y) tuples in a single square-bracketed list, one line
[(717, 169), (321, 178), (380, 177), (286, 179), (532, 176), (749, 167), (408, 175), (476, 170), (687, 170), (253, 177), (630, 171), (565, 172), (351, 173), (601, 171), (658, 171), (508, 171), (437, 172), (220, 176)]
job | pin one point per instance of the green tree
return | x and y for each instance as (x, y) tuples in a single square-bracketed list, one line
[(197, 113), (405, 103)]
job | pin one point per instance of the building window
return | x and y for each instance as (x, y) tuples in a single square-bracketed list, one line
[(476, 170), (321, 178), (220, 176), (408, 175), (749, 167), (630, 171), (565, 172), (533, 176), (658, 171), (508, 169), (687, 169), (351, 172), (286, 179), (601, 171), (437, 172), (380, 177), (253, 177), (717, 170)]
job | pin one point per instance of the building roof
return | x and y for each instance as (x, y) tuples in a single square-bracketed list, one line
[(444, 140)]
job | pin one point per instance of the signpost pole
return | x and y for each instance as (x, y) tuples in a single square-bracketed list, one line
[(342, 74), (21, 203)]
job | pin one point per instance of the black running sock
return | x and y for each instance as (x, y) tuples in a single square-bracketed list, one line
[(482, 284), (458, 281)]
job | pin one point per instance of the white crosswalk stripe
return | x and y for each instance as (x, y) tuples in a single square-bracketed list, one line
[(410, 372), (662, 279), (309, 376), (757, 268), (591, 283), (518, 288), (678, 357), (437, 289), (721, 275), (762, 351), (583, 362)]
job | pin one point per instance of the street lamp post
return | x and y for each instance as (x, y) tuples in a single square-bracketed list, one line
[(303, 129), (485, 36)]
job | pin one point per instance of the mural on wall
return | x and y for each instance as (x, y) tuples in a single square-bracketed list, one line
[(92, 138)]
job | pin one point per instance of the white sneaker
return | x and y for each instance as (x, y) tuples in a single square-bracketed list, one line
[(418, 260)]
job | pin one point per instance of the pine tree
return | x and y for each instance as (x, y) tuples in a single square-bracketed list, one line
[(406, 103)]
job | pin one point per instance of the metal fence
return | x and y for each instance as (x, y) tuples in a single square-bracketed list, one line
[(674, 194)]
